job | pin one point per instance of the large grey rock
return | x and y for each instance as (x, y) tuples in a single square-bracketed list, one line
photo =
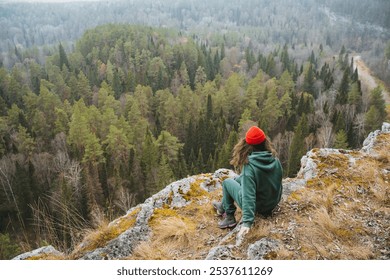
[(308, 168), (261, 248), (120, 247), (47, 250), (369, 142), (222, 252), (171, 196), (291, 185), (386, 127)]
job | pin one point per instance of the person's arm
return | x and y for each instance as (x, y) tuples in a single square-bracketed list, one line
[(248, 197), (238, 179)]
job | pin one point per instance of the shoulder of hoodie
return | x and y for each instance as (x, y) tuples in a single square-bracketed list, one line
[(265, 155), (261, 154)]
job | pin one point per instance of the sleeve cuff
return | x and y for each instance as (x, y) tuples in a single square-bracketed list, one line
[(247, 224)]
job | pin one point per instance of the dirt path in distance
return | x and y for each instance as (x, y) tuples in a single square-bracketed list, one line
[(368, 80)]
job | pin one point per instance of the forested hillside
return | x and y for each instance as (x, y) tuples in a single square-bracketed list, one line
[(94, 131), (92, 127), (361, 26)]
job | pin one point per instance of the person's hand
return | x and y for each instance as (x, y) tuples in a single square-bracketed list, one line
[(243, 231), (240, 235)]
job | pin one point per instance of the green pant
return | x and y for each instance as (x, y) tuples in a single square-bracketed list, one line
[(232, 192)]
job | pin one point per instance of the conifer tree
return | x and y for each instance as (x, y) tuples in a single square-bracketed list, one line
[(169, 146), (83, 88), (200, 164), (308, 84), (297, 148), (373, 120), (342, 96), (341, 140), (165, 173), (376, 100), (117, 147), (200, 77), (149, 166), (387, 50), (355, 95), (225, 152), (63, 57)]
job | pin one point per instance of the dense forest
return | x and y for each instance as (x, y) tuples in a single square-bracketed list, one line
[(91, 129), (362, 27)]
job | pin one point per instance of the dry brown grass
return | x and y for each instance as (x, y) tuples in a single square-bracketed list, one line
[(47, 257), (175, 229), (338, 215), (341, 212), (325, 220), (105, 232), (261, 228), (183, 233), (154, 251)]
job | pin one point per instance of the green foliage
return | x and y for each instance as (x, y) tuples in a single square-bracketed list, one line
[(341, 140), (355, 95), (387, 50), (63, 57), (225, 153), (342, 96), (168, 147), (298, 147), (308, 84), (25, 144), (8, 249), (134, 108), (373, 120), (376, 100), (376, 114)]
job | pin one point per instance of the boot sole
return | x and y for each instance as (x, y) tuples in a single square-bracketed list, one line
[(227, 226)]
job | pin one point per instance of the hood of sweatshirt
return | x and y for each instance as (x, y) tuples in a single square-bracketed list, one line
[(263, 160)]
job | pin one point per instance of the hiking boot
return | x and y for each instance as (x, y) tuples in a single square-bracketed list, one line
[(228, 222), (219, 207)]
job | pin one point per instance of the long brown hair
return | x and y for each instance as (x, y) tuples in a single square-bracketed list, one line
[(242, 150)]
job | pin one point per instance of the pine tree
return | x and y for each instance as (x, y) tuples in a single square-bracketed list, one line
[(93, 152), (200, 164), (308, 84), (63, 57), (341, 140), (339, 123), (225, 153), (165, 173), (284, 57), (149, 165), (373, 120), (342, 96), (200, 77), (297, 147), (169, 147), (387, 50), (83, 88), (271, 66), (376, 100)]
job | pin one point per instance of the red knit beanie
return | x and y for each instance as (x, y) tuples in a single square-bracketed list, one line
[(254, 136)]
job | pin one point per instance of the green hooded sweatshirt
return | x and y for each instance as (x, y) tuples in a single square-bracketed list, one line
[(261, 181)]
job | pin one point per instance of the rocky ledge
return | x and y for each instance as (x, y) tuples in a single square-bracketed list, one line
[(336, 208)]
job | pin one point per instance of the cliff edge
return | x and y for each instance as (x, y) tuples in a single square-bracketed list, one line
[(338, 207)]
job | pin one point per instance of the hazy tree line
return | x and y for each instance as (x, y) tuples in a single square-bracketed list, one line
[(93, 131), (266, 23), (374, 12)]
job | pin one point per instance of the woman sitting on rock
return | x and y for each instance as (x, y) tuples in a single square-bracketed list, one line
[(259, 187)]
